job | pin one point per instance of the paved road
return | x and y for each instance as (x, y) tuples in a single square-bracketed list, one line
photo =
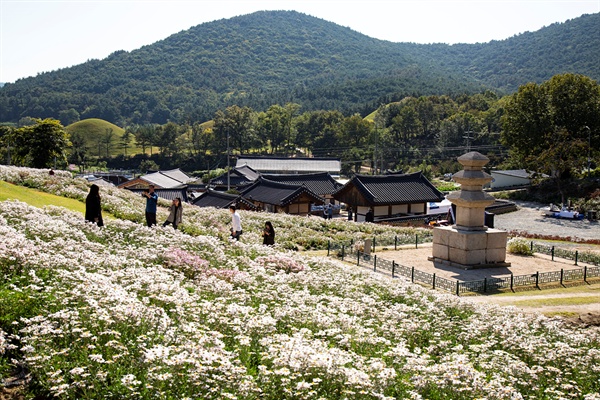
[(529, 218)]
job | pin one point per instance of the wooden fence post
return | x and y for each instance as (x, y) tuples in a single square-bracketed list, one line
[(358, 258), (393, 268), (343, 252), (585, 273), (328, 247), (412, 275), (576, 256), (512, 279), (484, 285), (375, 263), (434, 280), (458, 288), (395, 242), (552, 253), (537, 280), (416, 241)]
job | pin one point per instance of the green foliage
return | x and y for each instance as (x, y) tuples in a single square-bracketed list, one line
[(234, 128), (443, 186), (543, 120), (554, 127), (591, 203), (148, 165), (41, 145), (519, 246), (276, 57), (208, 175)]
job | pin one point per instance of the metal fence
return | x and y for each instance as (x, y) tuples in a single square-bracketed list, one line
[(397, 240), (530, 281), (576, 256)]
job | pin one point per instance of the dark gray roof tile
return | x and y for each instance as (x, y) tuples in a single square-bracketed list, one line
[(392, 189), (320, 183)]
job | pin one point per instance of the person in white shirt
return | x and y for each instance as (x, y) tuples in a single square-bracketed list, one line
[(236, 223)]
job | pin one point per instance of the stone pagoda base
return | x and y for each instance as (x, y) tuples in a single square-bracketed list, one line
[(469, 249)]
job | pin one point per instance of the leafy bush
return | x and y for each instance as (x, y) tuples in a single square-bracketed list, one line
[(519, 246)]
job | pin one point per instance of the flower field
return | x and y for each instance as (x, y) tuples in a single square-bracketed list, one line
[(130, 312)]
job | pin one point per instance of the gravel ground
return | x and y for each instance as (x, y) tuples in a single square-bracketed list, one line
[(529, 218)]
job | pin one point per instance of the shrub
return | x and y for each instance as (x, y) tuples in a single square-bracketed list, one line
[(519, 246)]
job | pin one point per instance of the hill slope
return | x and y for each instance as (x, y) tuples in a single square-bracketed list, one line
[(279, 56), (97, 135)]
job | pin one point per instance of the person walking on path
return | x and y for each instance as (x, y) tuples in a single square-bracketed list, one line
[(93, 209), (175, 213), (329, 211), (151, 202), (268, 234), (236, 223)]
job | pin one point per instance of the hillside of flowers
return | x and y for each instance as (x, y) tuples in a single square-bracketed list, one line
[(292, 232), (130, 312)]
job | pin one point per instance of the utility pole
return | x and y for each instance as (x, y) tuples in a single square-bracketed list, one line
[(228, 187), (468, 137), (375, 151), (589, 147)]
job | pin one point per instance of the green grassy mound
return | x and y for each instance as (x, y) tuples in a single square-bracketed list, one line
[(95, 134)]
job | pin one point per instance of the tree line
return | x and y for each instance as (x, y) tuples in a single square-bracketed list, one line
[(553, 127)]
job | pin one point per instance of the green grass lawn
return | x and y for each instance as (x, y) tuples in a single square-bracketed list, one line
[(556, 301), (39, 199), (592, 290)]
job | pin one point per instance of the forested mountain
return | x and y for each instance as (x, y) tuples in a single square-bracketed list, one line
[(274, 57)]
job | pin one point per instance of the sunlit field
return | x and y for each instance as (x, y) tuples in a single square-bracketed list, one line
[(130, 312)]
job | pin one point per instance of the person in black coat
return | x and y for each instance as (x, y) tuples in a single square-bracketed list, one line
[(269, 234), (369, 217), (93, 210)]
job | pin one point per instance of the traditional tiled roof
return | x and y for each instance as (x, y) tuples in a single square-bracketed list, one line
[(167, 194), (196, 187), (114, 178), (290, 164), (213, 198), (237, 177), (276, 193), (178, 175), (248, 172), (99, 181), (320, 183), (390, 189), (167, 179)]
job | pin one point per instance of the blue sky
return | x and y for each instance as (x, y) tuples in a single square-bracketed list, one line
[(44, 35)]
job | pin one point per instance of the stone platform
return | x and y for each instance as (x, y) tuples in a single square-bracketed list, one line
[(469, 249)]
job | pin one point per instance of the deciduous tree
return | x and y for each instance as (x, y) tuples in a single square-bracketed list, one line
[(41, 145), (567, 106), (548, 127)]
